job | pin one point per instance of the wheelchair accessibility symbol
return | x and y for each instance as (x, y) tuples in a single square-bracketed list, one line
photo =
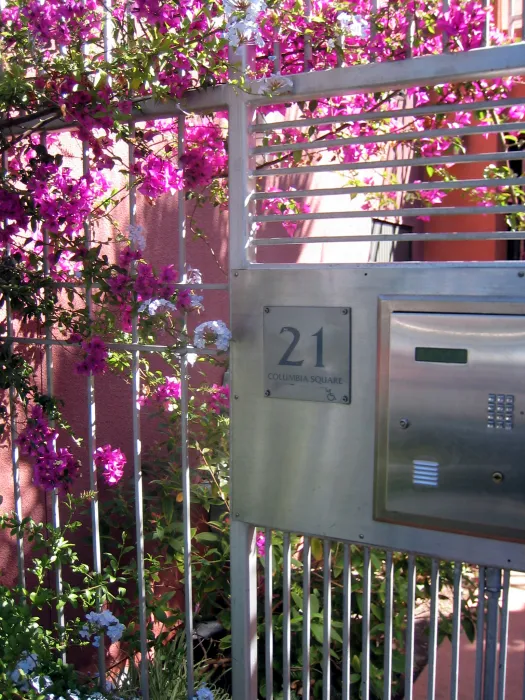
[(329, 395)]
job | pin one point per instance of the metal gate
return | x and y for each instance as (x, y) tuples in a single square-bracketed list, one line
[(312, 495), (317, 471)]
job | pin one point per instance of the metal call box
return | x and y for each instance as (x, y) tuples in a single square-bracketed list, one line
[(451, 417)]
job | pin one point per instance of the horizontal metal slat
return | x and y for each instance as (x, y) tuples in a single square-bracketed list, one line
[(392, 163), (390, 138), (434, 109), (383, 238), (408, 187), (416, 211)]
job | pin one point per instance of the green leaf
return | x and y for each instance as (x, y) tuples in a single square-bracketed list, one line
[(317, 548)]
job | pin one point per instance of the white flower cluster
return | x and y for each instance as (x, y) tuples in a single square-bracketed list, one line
[(274, 85), (21, 676), (241, 24), (353, 25), (196, 302), (155, 306), (193, 275), (25, 678), (212, 331), (98, 623), (136, 236)]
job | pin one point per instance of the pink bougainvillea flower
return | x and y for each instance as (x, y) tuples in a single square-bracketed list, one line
[(111, 461)]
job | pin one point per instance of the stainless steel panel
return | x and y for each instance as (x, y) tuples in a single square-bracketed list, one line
[(307, 353), (308, 467), (455, 425)]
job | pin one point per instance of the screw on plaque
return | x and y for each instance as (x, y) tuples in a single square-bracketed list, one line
[(267, 392), (497, 477), (404, 423), (266, 309), (344, 312), (345, 399)]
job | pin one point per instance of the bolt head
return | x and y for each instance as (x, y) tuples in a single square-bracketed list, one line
[(345, 399), (266, 309), (521, 273), (267, 392), (404, 423), (344, 312), (236, 396)]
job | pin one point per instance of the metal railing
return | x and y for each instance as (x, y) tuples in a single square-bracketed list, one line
[(243, 177)]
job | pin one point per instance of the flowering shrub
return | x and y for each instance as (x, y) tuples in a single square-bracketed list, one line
[(70, 268)]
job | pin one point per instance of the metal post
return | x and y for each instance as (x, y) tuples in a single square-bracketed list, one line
[(243, 562), (493, 588)]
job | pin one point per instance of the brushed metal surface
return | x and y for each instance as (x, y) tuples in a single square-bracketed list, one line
[(307, 353), (465, 425), (308, 467)]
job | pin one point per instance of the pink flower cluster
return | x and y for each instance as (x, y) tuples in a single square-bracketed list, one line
[(53, 468), (111, 461), (159, 176), (63, 202), (59, 22), (260, 543), (206, 156), (13, 217), (285, 205), (166, 394), (95, 356), (219, 398)]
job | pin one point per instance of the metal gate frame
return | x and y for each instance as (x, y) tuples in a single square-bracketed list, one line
[(486, 63)]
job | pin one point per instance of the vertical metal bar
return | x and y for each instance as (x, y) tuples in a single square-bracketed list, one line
[(347, 616), (373, 13), (486, 24), (108, 32), (480, 635), (181, 200), (240, 186), (409, 647), (91, 445), (389, 605), (307, 564), (268, 612), (137, 466), (186, 515), (327, 617), (504, 637), (243, 560), (55, 503), (444, 35), (365, 661), (287, 581), (456, 629), (493, 587), (307, 63), (433, 629), (277, 57), (15, 455)]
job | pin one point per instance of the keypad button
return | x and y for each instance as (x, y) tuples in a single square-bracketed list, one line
[(500, 398), (509, 399), (492, 398)]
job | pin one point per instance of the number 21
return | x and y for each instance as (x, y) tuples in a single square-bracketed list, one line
[(296, 336)]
